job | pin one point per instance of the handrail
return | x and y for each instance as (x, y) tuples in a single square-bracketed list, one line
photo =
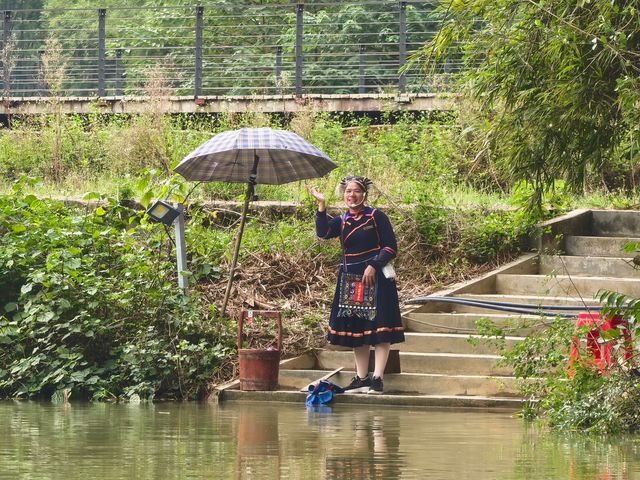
[(105, 41)]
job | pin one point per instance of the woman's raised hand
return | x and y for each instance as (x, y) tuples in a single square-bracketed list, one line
[(316, 194)]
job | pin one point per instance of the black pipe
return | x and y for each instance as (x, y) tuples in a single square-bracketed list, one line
[(421, 300), (546, 310)]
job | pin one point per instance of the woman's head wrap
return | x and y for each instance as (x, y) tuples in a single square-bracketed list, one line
[(364, 183)]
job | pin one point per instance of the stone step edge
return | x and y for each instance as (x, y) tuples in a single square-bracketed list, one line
[(476, 356), (515, 296), (453, 401), (596, 257), (456, 336), (351, 373), (565, 277)]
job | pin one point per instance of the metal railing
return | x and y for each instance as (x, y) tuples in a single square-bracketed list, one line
[(204, 50)]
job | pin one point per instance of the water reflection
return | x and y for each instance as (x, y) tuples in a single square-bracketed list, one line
[(275, 441), (375, 451)]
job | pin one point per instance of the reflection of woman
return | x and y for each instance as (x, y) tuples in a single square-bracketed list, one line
[(372, 450), (365, 308)]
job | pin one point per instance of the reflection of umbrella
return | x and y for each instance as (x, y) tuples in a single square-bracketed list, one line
[(253, 155)]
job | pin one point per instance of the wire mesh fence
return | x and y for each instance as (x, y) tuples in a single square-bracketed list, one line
[(220, 49)]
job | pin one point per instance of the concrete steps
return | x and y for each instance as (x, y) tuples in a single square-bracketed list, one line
[(534, 305), (565, 285), (450, 401), (597, 246), (447, 343), (414, 383), (464, 323), (588, 266), (441, 364), (433, 363)]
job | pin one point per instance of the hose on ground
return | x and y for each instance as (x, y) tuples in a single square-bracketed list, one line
[(525, 308)]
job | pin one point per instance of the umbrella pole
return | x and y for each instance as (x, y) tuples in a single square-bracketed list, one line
[(236, 248), (243, 219)]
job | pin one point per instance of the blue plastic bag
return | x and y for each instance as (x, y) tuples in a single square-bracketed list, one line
[(322, 393)]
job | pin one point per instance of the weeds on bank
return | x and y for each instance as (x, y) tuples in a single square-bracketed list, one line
[(572, 392)]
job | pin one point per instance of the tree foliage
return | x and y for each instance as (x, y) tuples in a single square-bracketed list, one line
[(558, 81)]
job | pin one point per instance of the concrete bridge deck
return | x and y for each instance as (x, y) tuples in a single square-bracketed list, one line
[(365, 102)]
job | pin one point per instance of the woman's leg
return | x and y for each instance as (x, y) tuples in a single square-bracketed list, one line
[(361, 354), (382, 354)]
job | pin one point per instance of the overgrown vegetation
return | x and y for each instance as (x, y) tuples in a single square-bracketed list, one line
[(565, 383), (90, 308), (89, 296)]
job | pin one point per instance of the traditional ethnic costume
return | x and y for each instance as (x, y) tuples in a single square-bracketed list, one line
[(359, 315)]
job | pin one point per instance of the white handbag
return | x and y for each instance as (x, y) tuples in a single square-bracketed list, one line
[(388, 271)]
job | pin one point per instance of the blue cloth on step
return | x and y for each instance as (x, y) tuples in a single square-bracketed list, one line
[(322, 393)]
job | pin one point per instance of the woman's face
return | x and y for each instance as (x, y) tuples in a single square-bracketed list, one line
[(354, 196)]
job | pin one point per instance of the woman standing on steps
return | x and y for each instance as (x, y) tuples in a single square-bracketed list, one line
[(365, 310)]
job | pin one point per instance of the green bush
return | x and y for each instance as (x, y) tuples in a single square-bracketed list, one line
[(575, 394), (90, 306), (476, 234)]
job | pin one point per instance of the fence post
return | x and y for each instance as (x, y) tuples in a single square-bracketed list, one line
[(199, 27), (362, 84), (42, 84), (102, 15), (119, 73), (402, 81), (279, 70), (6, 38), (299, 58)]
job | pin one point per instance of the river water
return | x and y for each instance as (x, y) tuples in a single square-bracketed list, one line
[(288, 441)]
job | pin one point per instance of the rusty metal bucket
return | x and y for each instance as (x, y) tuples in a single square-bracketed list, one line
[(259, 368)]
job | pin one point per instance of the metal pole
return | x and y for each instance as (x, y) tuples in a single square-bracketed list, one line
[(119, 73), (42, 84), (198, 53), (181, 250), (102, 14), (279, 70), (402, 81), (299, 57), (362, 84), (6, 38)]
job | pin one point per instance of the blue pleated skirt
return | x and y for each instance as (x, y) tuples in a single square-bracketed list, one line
[(384, 327)]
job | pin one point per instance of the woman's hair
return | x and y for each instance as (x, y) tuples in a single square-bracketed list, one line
[(363, 182)]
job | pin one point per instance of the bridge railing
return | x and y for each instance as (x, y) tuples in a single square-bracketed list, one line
[(315, 47)]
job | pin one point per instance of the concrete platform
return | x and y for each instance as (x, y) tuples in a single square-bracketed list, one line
[(414, 383), (449, 401)]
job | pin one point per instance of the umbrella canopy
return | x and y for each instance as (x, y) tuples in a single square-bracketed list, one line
[(281, 157), (253, 155)]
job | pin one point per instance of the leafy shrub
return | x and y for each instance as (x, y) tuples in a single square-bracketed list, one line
[(91, 306), (475, 234), (576, 395)]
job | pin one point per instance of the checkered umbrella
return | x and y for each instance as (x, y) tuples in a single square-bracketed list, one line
[(253, 155), (279, 157)]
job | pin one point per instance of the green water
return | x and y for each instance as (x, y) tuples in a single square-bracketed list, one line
[(272, 441)]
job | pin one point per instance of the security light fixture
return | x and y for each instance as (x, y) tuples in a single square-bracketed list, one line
[(163, 212)]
